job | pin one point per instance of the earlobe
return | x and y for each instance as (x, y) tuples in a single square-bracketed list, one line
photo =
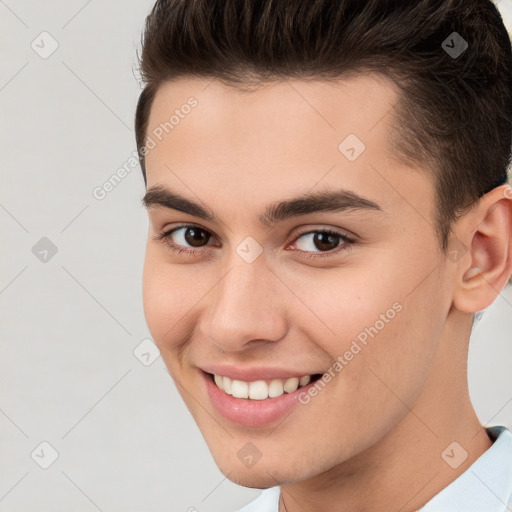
[(489, 239)]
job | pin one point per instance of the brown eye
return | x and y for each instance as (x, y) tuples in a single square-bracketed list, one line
[(326, 241), (194, 240), (189, 239), (196, 237), (321, 241)]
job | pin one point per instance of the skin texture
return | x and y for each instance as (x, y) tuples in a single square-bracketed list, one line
[(383, 422)]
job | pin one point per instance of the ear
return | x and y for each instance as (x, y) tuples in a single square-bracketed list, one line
[(487, 234)]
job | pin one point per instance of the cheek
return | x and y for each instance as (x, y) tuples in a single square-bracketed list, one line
[(373, 323), (337, 308), (397, 347), (165, 298), (174, 296)]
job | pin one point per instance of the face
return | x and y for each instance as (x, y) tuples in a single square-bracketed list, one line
[(295, 245)]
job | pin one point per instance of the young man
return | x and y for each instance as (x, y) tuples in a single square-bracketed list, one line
[(326, 185)]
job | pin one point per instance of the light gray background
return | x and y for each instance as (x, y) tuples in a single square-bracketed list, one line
[(70, 325)]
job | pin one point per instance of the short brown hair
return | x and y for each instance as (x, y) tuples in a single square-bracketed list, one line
[(454, 114)]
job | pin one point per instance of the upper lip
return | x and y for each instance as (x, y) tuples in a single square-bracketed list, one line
[(253, 373)]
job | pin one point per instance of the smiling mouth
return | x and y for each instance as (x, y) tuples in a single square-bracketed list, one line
[(261, 389)]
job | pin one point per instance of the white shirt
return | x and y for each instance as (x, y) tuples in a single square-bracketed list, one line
[(486, 486)]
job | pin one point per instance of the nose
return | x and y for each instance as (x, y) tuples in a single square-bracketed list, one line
[(246, 308)]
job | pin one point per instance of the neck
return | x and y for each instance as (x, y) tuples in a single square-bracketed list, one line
[(408, 467)]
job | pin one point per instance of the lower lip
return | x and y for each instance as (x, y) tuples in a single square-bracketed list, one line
[(252, 413)]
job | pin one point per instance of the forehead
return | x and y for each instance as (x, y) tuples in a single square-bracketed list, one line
[(290, 135), (327, 111)]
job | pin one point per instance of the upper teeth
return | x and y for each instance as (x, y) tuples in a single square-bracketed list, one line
[(260, 389)]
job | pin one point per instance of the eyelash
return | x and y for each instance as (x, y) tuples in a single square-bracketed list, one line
[(348, 242)]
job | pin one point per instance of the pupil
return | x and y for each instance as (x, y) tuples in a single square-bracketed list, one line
[(324, 240), (196, 236)]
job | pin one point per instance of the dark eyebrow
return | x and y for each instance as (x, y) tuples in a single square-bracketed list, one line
[(321, 201)]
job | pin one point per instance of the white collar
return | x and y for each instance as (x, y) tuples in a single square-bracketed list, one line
[(486, 486)]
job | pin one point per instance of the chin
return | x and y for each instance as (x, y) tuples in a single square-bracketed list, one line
[(252, 480), (260, 476)]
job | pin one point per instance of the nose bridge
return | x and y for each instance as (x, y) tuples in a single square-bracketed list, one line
[(245, 306)]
